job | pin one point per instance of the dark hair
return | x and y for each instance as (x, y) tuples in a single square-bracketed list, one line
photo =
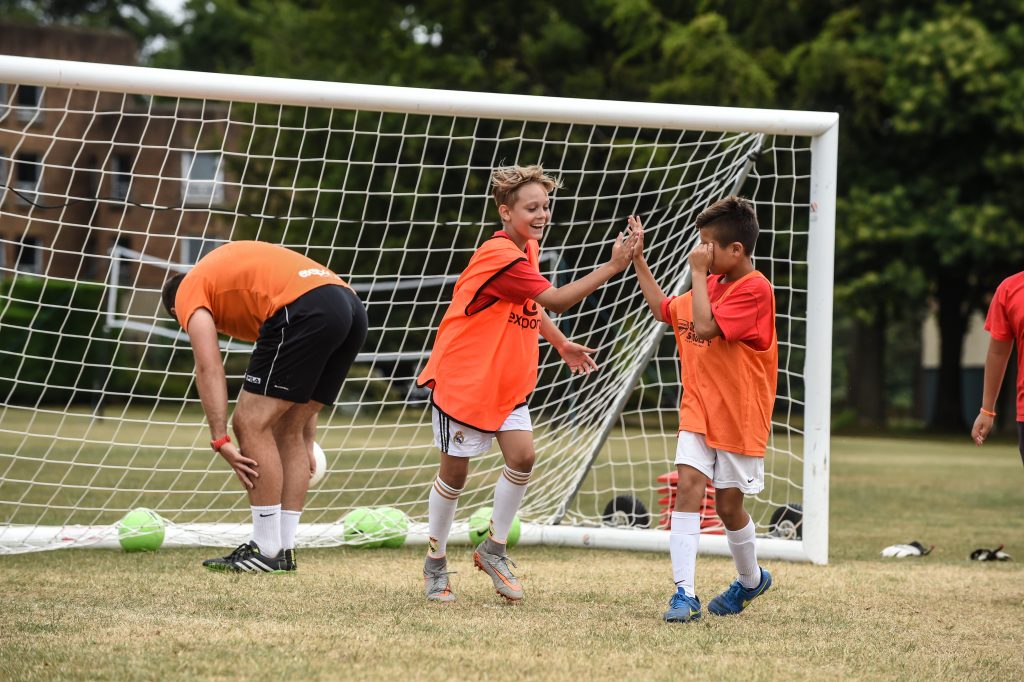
[(170, 292), (732, 219)]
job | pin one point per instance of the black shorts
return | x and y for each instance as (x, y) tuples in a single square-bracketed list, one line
[(306, 348)]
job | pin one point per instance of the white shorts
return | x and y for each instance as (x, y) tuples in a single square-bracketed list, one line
[(459, 440), (725, 469)]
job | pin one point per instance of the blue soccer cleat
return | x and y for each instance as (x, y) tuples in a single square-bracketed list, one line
[(737, 597), (682, 608)]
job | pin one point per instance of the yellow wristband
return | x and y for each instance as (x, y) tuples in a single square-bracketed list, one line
[(988, 413)]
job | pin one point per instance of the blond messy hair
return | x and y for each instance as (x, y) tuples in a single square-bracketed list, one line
[(506, 181)]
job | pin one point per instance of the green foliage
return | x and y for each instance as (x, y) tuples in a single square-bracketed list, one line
[(931, 97), (53, 347), (138, 18)]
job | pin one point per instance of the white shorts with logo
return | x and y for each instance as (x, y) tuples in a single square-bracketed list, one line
[(725, 469), (459, 440)]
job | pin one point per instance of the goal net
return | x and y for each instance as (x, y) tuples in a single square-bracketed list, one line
[(115, 177)]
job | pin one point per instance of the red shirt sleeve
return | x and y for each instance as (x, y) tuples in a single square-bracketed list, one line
[(666, 309), (997, 322), (518, 284), (746, 315)]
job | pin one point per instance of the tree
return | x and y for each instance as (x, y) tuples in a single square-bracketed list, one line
[(138, 18), (931, 102)]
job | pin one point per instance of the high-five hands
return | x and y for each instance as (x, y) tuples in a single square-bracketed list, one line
[(622, 250), (636, 228)]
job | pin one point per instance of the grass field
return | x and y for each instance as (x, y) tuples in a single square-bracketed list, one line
[(357, 614)]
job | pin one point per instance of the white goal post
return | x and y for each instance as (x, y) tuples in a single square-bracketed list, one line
[(121, 175)]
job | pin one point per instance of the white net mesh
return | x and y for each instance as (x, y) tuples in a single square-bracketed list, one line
[(105, 194)]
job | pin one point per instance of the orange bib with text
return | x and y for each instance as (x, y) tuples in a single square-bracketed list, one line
[(728, 387), (484, 364)]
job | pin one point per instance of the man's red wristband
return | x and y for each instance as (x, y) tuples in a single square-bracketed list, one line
[(219, 443)]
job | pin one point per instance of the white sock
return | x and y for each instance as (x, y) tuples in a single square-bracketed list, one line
[(441, 506), (744, 554), (266, 529), (508, 495), (289, 524), (682, 547)]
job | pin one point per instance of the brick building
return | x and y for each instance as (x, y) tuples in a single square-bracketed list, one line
[(84, 171)]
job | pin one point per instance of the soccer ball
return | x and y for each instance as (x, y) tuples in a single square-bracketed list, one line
[(320, 469), (480, 524), (141, 530), (364, 528), (395, 524)]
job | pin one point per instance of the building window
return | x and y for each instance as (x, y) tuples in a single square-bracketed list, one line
[(203, 178), (121, 176), (27, 100), (29, 259), (27, 173), (194, 248)]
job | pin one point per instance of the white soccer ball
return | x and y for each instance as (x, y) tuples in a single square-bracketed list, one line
[(320, 461)]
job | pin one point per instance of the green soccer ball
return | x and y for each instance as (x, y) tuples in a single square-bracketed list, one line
[(480, 524), (141, 530), (395, 524), (364, 528)]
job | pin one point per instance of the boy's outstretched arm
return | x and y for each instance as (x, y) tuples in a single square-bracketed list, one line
[(652, 292), (576, 356), (560, 299), (995, 369)]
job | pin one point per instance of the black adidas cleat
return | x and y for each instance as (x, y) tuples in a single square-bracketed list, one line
[(247, 559), (289, 560)]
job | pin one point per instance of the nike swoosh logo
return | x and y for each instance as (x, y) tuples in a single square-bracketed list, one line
[(750, 480), (266, 515)]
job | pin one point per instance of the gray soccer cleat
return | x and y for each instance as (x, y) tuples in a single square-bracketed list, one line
[(496, 566), (436, 586)]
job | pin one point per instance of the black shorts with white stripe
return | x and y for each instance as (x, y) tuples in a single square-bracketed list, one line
[(304, 351)]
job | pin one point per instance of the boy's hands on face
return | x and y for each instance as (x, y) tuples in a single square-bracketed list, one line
[(701, 258)]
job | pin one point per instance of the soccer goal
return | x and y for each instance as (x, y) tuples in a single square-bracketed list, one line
[(113, 177)]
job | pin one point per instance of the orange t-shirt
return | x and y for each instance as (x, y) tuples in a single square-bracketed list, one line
[(728, 386), (484, 361), (244, 283)]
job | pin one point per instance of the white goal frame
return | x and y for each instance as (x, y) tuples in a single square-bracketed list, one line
[(820, 127)]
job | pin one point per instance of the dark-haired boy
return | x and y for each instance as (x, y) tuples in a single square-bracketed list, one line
[(725, 332)]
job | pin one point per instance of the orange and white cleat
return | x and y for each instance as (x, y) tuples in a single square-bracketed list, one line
[(497, 567)]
